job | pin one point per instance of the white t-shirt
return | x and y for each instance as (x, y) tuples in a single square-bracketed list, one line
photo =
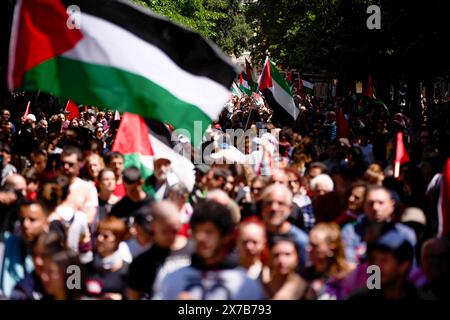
[(83, 196)]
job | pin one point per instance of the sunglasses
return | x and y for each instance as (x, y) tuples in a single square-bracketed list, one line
[(70, 164)]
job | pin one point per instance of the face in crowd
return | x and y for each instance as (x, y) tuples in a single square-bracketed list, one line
[(162, 169), (117, 166), (70, 165), (284, 257), (379, 205), (33, 221), (356, 199), (252, 240), (107, 181), (277, 205)]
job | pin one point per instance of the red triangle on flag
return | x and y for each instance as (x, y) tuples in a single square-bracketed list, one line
[(72, 109), (133, 136), (401, 155), (27, 110), (444, 202), (265, 82), (368, 92), (342, 126)]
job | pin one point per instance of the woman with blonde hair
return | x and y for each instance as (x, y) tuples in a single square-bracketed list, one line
[(327, 257), (374, 174)]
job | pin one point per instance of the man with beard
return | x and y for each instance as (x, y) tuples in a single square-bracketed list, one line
[(157, 185)]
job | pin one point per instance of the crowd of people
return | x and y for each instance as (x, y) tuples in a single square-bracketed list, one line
[(305, 221)]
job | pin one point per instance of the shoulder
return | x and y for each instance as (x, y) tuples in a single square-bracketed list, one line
[(298, 233)]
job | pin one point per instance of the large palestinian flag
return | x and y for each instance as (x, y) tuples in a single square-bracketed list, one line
[(142, 141), (278, 94), (112, 53)]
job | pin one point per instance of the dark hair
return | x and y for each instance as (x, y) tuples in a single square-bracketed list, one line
[(40, 152), (70, 150), (318, 165), (54, 191), (103, 171), (217, 214), (221, 173), (404, 252), (279, 238), (111, 155), (374, 187), (51, 243), (28, 203), (65, 259)]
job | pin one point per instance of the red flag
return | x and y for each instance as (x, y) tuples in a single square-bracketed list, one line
[(401, 155), (300, 84), (289, 77), (368, 92), (27, 110), (72, 109), (116, 115), (265, 82), (444, 202), (342, 126), (133, 136)]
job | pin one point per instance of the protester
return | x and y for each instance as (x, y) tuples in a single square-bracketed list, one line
[(106, 273), (168, 253), (135, 200), (252, 245), (17, 248), (211, 275), (282, 282), (82, 194), (276, 208)]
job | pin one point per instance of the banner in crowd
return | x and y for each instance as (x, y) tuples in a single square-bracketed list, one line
[(121, 56)]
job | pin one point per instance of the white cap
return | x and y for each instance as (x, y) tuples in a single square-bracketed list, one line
[(31, 117)]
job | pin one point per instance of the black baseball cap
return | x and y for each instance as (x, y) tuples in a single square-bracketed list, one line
[(131, 175)]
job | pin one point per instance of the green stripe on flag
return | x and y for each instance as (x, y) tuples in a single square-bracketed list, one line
[(276, 76), (103, 86)]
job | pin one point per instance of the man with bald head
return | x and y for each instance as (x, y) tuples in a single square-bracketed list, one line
[(169, 252), (276, 208), (297, 217)]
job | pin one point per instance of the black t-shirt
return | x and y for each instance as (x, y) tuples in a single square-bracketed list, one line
[(153, 264), (127, 208), (109, 281)]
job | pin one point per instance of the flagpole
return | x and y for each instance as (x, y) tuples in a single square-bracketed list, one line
[(396, 169)]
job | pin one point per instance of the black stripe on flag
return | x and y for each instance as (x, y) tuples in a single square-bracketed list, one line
[(188, 49)]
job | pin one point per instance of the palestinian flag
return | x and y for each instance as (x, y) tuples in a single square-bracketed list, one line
[(277, 93), (72, 110), (246, 80), (444, 202), (235, 91), (143, 141), (308, 87), (117, 55), (369, 90)]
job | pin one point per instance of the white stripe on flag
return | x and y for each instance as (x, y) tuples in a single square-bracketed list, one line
[(107, 44), (284, 99), (181, 166)]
